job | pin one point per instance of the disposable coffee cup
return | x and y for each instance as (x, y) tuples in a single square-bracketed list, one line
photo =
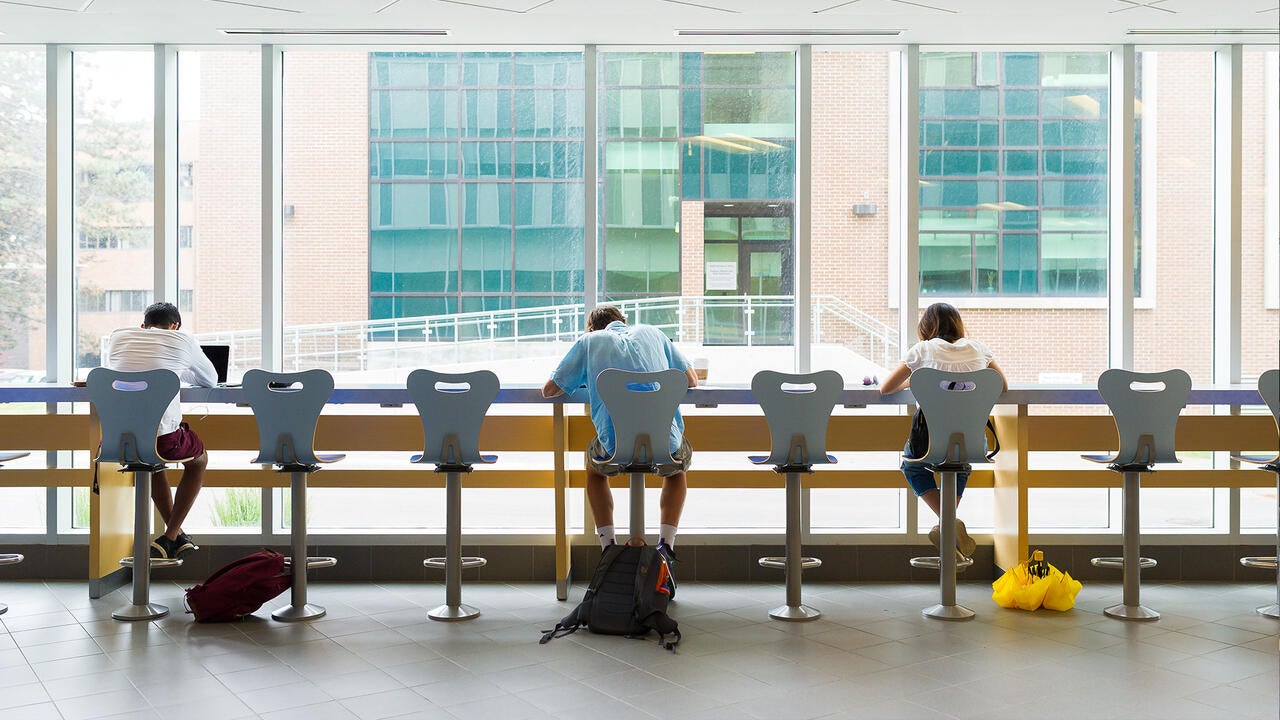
[(700, 368)]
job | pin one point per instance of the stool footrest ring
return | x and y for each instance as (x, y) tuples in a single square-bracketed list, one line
[(781, 562), (314, 562), (1118, 562), (1266, 563), (155, 562), (10, 559), (467, 562), (935, 563)]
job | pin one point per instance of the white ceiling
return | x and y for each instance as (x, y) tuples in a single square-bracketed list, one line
[(638, 22)]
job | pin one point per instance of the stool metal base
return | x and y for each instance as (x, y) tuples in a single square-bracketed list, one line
[(298, 613), (149, 611), (3, 608), (1271, 611), (1131, 612), (794, 613), (948, 612), (448, 613)]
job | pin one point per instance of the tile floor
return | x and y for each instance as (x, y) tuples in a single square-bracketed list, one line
[(870, 656)]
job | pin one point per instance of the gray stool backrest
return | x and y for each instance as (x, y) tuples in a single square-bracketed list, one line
[(1269, 389), (956, 406), (452, 416), (797, 417), (287, 407), (1145, 417), (642, 415), (130, 406)]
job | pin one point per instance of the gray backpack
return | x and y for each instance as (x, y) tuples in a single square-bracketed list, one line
[(628, 595)]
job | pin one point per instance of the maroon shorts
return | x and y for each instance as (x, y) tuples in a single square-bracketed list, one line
[(181, 444)]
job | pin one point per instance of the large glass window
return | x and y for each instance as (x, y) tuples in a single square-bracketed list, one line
[(114, 207), (476, 199), (1013, 174), (22, 216), (219, 201), (697, 196)]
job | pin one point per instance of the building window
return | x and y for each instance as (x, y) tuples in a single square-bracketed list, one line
[(185, 233), (115, 301), (1013, 173), (114, 238), (475, 173)]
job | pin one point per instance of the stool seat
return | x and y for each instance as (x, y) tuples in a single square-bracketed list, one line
[(452, 408), (286, 408), (130, 407), (957, 405), (643, 408), (798, 409), (1145, 408)]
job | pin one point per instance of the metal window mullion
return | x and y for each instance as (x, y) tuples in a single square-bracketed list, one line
[(909, 192), (1227, 237), (165, 226), (272, 208), (803, 216), (590, 180), (1122, 206), (60, 248)]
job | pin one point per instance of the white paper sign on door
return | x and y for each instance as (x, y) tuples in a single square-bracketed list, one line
[(722, 275)]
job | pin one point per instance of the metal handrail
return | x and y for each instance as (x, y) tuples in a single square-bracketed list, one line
[(364, 344)]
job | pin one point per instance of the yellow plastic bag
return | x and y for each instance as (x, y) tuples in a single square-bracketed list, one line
[(1033, 584)]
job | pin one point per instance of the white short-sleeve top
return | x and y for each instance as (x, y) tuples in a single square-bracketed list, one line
[(963, 355)]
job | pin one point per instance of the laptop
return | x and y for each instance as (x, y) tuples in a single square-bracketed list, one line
[(220, 356)]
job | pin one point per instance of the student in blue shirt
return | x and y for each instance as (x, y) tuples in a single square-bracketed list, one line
[(611, 343)]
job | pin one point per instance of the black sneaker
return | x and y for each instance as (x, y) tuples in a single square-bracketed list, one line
[(670, 556), (162, 548), (183, 545)]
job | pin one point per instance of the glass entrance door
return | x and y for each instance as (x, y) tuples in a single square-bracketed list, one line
[(748, 274)]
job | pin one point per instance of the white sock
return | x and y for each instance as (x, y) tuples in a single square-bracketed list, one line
[(667, 534), (606, 535)]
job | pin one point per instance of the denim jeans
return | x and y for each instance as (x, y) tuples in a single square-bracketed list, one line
[(921, 479)]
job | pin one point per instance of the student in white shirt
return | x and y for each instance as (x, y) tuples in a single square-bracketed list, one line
[(942, 346), (158, 345)]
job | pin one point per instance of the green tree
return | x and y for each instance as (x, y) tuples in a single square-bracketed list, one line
[(22, 217)]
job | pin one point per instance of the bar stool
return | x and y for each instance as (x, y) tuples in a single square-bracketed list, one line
[(1145, 407), (1269, 389), (797, 408), (130, 406), (452, 407), (286, 408), (957, 405), (642, 406)]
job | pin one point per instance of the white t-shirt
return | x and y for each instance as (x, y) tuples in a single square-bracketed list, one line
[(142, 349), (964, 355)]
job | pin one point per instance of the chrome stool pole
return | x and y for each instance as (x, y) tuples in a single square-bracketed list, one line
[(637, 504), (298, 608), (142, 608), (1131, 562), (453, 562), (946, 562)]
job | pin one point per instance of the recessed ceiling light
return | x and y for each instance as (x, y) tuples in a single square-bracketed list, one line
[(323, 31), (786, 33), (1203, 31)]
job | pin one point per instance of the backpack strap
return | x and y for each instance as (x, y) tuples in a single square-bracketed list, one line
[(995, 440), (647, 613)]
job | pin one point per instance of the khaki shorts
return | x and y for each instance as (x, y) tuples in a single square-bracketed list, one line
[(595, 456)]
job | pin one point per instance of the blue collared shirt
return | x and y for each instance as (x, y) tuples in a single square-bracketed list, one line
[(640, 348)]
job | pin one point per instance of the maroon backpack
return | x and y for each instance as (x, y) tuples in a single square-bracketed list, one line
[(239, 588)]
